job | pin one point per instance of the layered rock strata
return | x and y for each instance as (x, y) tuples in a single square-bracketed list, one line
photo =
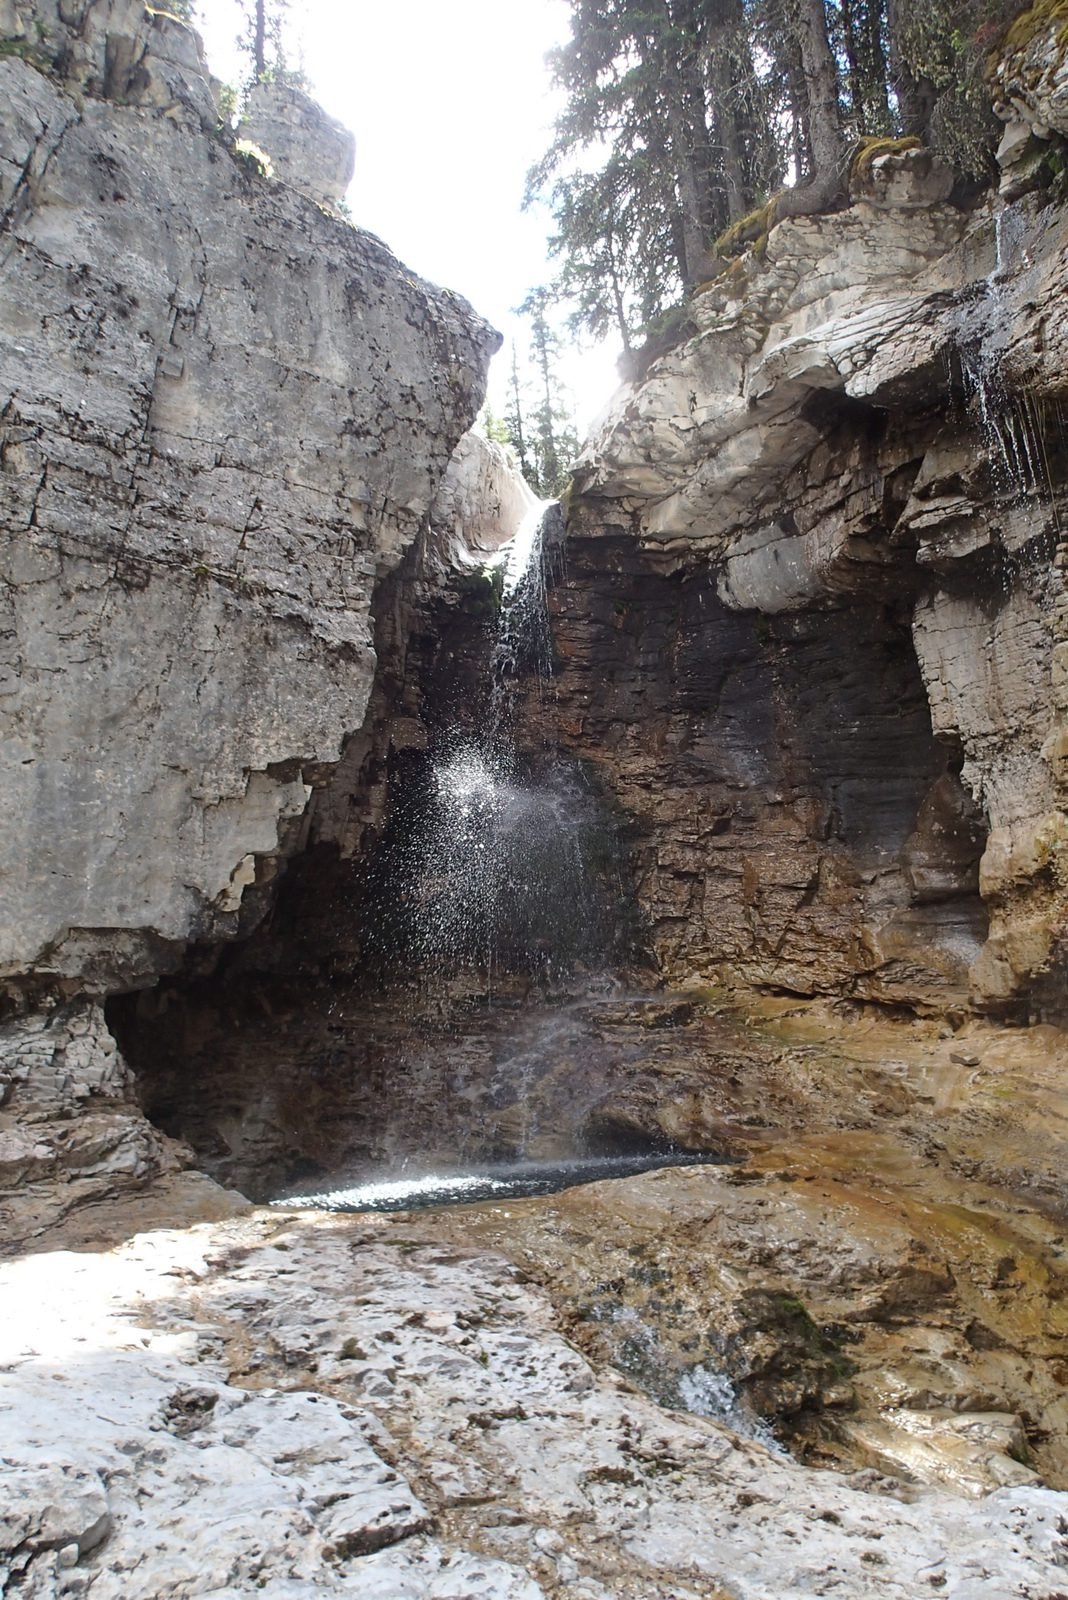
[(227, 414), (837, 511), (805, 635)]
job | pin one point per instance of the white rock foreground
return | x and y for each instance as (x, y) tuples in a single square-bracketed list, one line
[(295, 1405)]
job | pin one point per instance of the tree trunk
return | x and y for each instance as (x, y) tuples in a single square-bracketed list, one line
[(672, 44), (800, 147), (823, 124), (259, 39), (695, 237), (878, 73), (617, 296), (518, 437), (821, 78), (725, 123), (915, 96)]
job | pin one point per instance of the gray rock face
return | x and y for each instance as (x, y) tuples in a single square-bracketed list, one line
[(1031, 80), (482, 501), (71, 1129), (847, 304), (307, 149), (225, 415)]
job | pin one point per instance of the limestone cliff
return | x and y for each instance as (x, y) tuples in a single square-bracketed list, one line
[(808, 637), (832, 522), (225, 424)]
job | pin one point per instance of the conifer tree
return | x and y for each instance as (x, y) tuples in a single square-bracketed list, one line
[(263, 39), (682, 116), (515, 419), (550, 442)]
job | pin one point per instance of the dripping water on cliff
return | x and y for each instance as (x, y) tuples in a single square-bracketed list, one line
[(1012, 423)]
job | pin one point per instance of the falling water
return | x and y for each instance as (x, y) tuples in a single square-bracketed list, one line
[(501, 868), (524, 637), (1010, 423), (499, 854)]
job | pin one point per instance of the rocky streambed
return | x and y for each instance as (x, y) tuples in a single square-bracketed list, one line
[(562, 1395), (345, 1405)]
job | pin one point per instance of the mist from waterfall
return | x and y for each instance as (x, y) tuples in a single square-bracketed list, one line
[(500, 858)]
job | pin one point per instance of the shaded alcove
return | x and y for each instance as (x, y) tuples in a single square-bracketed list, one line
[(378, 1012), (782, 775), (752, 795)]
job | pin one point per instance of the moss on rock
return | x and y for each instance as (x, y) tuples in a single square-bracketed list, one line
[(750, 230), (869, 150), (1029, 24)]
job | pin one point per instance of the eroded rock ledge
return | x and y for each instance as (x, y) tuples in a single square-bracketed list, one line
[(839, 508)]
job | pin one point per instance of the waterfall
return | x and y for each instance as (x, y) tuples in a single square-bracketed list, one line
[(501, 867), (1010, 424), (524, 636), (495, 860)]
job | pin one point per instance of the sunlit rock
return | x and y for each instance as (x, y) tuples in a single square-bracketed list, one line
[(307, 149), (208, 469), (483, 499)]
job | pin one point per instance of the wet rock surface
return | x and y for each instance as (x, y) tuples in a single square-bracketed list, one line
[(877, 1266), (362, 1406), (880, 1269), (836, 512), (808, 645), (778, 783)]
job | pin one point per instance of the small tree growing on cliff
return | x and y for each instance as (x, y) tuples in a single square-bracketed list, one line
[(263, 40), (551, 441), (682, 118), (515, 418)]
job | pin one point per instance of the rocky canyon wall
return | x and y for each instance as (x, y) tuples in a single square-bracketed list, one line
[(225, 422), (809, 628), (814, 615), (226, 415)]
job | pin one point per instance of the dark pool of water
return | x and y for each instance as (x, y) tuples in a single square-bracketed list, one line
[(513, 1181)]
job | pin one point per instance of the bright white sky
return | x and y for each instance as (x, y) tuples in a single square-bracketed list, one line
[(450, 104)]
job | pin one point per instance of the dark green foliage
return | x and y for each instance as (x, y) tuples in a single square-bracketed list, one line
[(493, 427), (538, 423), (553, 440), (683, 116), (946, 44)]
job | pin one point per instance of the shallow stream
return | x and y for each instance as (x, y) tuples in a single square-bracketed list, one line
[(507, 1181)]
